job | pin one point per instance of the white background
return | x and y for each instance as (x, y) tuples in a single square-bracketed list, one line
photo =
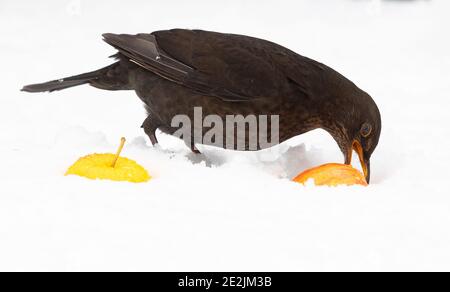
[(223, 210)]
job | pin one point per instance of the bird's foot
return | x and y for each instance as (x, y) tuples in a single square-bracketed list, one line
[(195, 150)]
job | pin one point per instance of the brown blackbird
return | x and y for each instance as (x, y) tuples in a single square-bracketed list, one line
[(173, 71)]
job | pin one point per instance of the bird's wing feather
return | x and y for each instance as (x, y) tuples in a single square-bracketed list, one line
[(231, 67), (142, 49)]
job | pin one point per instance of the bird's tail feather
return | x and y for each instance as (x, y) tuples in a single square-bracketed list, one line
[(66, 82)]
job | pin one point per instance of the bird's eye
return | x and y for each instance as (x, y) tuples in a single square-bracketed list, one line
[(366, 129)]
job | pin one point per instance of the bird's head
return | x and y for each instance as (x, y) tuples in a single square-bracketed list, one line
[(356, 126)]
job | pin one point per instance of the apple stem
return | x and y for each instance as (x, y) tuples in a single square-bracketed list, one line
[(122, 143)]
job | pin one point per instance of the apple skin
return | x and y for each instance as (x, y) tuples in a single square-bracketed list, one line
[(332, 174)]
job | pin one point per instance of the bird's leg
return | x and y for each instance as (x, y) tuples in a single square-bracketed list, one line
[(150, 129), (153, 139), (195, 150), (191, 145)]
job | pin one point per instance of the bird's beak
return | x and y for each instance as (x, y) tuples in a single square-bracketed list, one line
[(365, 162)]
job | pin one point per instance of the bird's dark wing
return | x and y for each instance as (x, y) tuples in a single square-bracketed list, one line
[(231, 67), (143, 50)]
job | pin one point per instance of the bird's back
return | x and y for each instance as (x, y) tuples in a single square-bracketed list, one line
[(246, 65)]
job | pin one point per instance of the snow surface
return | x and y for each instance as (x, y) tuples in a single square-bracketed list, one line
[(223, 210)]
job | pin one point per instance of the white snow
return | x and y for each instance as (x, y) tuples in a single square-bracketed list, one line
[(223, 210)]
